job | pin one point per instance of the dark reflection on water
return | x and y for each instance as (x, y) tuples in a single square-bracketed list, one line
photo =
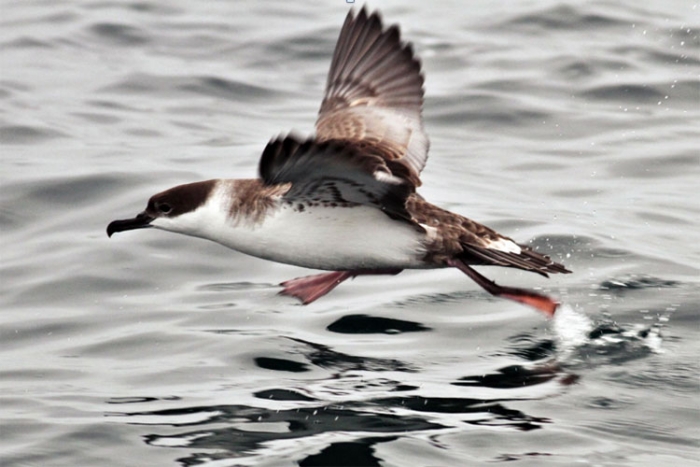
[(360, 452), (306, 422), (529, 348), (247, 429), (282, 395), (280, 364), (240, 431), (636, 282), (514, 376), (325, 357), (363, 324), (244, 430), (241, 438)]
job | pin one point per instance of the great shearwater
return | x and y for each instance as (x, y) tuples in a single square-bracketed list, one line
[(345, 200)]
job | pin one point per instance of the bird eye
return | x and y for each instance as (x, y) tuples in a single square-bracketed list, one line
[(164, 208)]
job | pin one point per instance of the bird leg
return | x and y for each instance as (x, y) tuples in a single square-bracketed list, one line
[(311, 288), (540, 302)]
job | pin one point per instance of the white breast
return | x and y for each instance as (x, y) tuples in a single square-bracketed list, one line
[(327, 238)]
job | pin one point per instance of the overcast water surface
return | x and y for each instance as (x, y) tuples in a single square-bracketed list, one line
[(573, 126)]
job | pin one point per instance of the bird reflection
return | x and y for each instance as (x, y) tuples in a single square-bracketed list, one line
[(353, 426)]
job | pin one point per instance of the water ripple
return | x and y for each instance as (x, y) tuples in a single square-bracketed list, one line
[(120, 34), (565, 17), (153, 85), (22, 134)]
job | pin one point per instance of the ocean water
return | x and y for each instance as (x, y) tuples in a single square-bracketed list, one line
[(571, 125)]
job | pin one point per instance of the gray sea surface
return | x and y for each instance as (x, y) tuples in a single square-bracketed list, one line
[(573, 126)]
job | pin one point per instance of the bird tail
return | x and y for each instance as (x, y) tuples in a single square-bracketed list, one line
[(527, 259)]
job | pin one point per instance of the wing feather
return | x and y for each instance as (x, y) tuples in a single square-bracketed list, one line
[(374, 93), (335, 174), (527, 259)]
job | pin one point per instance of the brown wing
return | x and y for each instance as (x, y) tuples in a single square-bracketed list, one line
[(374, 94), (335, 174)]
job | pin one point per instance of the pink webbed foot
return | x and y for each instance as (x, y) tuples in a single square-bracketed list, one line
[(540, 302), (311, 288)]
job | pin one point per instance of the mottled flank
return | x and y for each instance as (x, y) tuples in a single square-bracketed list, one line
[(452, 230), (459, 237), (251, 199)]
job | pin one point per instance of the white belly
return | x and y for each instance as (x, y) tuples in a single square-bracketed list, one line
[(329, 238)]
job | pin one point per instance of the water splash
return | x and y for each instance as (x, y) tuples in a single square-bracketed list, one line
[(571, 327)]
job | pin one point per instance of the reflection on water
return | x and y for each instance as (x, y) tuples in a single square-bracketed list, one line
[(240, 431), (569, 126), (348, 429)]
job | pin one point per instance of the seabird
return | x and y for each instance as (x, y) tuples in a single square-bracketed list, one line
[(345, 200)]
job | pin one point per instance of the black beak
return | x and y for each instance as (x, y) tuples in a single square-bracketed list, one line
[(141, 221)]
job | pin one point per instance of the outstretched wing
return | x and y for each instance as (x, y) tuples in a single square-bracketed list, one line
[(374, 93), (335, 174)]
